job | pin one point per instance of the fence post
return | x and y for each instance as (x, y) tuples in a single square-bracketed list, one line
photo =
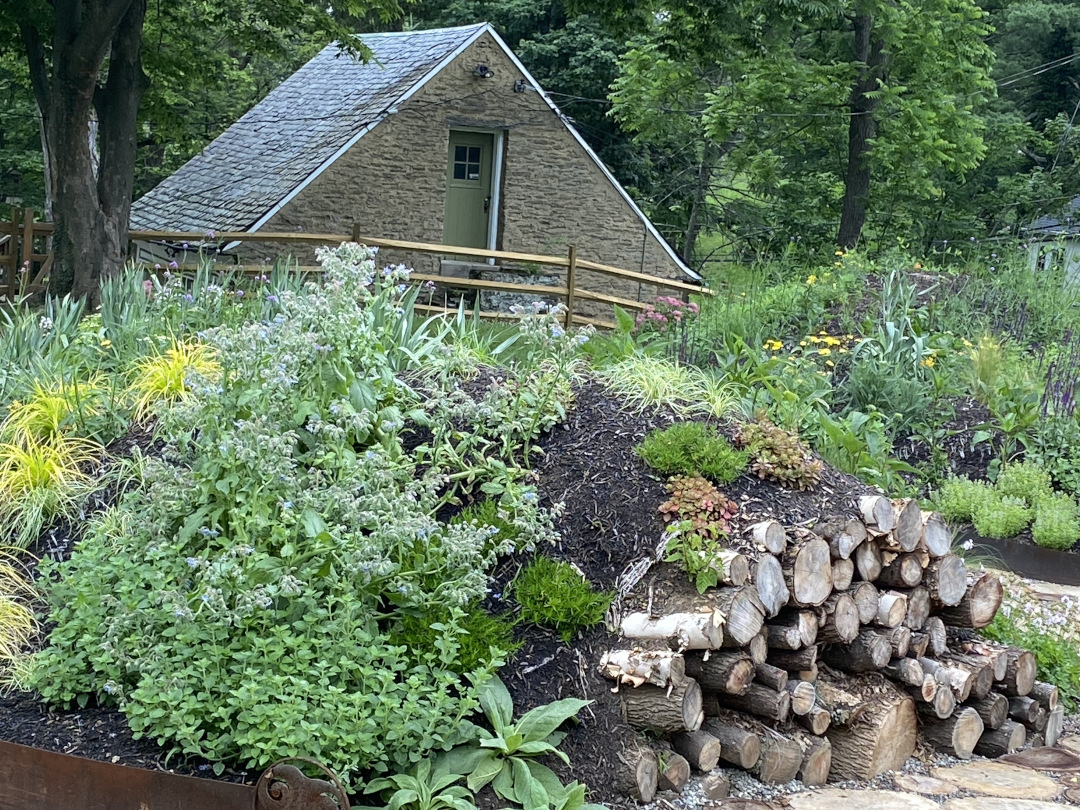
[(28, 244), (356, 232), (571, 284), (13, 255)]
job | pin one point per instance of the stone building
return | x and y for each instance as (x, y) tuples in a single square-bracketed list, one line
[(441, 137)]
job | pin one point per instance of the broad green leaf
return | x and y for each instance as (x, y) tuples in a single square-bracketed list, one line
[(547, 777), (402, 797), (503, 784), (497, 703), (485, 771), (541, 721), (530, 792), (461, 760), (535, 748)]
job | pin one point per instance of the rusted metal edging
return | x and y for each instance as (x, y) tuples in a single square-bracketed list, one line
[(34, 779)]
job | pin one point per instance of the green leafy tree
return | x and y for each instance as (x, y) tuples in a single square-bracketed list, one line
[(90, 65)]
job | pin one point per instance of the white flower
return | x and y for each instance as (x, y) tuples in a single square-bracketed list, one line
[(968, 544)]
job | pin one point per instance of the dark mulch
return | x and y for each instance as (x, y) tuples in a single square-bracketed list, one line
[(952, 450)]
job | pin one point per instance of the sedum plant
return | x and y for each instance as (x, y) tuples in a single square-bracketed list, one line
[(692, 448), (778, 455), (700, 506)]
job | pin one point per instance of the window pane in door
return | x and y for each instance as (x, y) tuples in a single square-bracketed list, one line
[(459, 171), (460, 153), (474, 154)]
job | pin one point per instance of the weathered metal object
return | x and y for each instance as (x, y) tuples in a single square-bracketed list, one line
[(285, 787), (45, 780)]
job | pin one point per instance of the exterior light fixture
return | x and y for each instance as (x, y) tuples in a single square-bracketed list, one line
[(483, 72)]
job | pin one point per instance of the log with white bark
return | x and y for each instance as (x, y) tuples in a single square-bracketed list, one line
[(701, 630), (878, 513), (816, 757), (1019, 672), (868, 561), (794, 660), (1024, 709), (772, 677), (892, 609), (843, 534), (1046, 693), (904, 670), (843, 572), (936, 537), (905, 571), (1004, 739), (807, 567), (738, 746), (793, 630), (935, 629), (918, 607), (881, 739), (700, 748), (1055, 725), (758, 648), (956, 735), (770, 583), (899, 639), (908, 531), (838, 619), (760, 700), (817, 720), (728, 671), (636, 773), (979, 604), (770, 535), (958, 680), (993, 709), (919, 646), (867, 652), (665, 710), (674, 772), (946, 579), (636, 667), (866, 596), (803, 696)]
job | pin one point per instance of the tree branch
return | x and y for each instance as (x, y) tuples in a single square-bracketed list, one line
[(39, 70)]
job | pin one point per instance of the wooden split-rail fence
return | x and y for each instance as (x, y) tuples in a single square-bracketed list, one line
[(25, 263)]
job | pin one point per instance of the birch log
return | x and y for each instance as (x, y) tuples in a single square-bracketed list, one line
[(636, 667), (769, 534)]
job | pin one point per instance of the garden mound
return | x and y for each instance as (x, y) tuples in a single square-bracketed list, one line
[(610, 528)]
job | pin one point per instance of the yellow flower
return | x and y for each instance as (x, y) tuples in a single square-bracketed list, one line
[(802, 342), (832, 341), (773, 345), (106, 343), (967, 343), (842, 350), (811, 279), (837, 264), (918, 265), (824, 352), (830, 363), (928, 362), (839, 253)]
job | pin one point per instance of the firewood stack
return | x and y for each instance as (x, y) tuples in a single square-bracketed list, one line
[(825, 656)]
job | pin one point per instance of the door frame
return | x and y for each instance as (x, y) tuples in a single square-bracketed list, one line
[(498, 140)]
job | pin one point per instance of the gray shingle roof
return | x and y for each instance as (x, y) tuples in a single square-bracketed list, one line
[(1054, 227), (302, 123)]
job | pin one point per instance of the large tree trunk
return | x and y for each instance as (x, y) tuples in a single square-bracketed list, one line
[(92, 204), (861, 129)]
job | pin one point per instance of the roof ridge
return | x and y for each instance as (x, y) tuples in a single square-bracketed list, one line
[(414, 32)]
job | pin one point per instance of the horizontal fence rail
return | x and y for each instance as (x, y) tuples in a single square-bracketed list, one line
[(17, 252)]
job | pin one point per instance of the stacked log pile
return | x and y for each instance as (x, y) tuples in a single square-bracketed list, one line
[(825, 657)]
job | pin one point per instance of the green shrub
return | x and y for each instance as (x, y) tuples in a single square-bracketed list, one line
[(692, 448), (778, 454), (554, 594), (959, 499), (482, 636), (1055, 445), (1025, 480), (873, 384), (1057, 522), (1001, 516)]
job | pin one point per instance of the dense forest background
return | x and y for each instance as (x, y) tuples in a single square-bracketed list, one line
[(743, 127)]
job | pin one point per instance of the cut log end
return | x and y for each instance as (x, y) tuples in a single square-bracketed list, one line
[(956, 735)]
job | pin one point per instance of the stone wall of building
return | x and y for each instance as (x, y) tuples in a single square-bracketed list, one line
[(552, 194)]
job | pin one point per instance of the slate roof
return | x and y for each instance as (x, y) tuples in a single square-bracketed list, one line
[(300, 125), (1054, 227)]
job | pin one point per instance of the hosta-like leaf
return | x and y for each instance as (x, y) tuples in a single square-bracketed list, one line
[(503, 784), (543, 720), (485, 771), (461, 760), (497, 703), (530, 792)]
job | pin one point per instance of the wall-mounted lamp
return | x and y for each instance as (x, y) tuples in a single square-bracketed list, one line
[(483, 72)]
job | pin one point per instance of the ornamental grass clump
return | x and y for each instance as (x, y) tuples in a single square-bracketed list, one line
[(555, 594), (18, 626), (165, 377), (778, 455), (692, 448)]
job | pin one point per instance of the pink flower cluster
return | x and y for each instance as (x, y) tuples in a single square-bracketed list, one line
[(664, 314)]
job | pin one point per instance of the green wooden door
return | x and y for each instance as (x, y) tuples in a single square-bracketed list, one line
[(468, 189)]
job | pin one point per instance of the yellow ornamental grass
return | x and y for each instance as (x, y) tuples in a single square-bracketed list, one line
[(163, 377), (51, 410), (40, 480), (18, 627)]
